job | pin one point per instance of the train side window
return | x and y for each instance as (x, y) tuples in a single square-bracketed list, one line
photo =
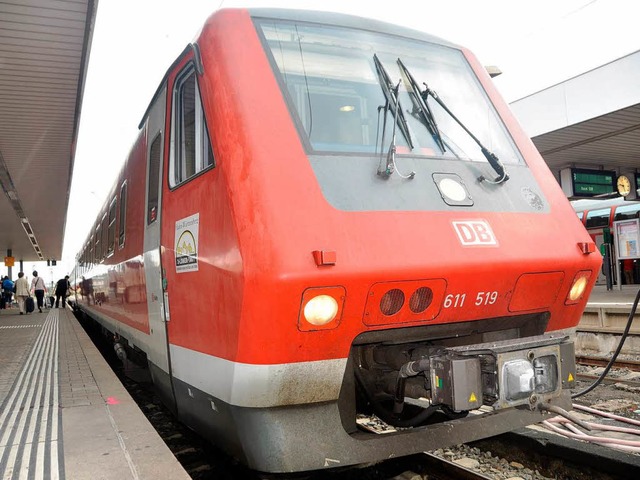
[(105, 230), (627, 212), (123, 214), (598, 218), (154, 174), (97, 248), (191, 149), (111, 237), (89, 260)]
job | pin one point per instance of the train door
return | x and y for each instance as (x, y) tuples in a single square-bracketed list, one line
[(158, 354), (188, 210)]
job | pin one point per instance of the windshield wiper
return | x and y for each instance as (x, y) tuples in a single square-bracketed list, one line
[(392, 104), (421, 108), (493, 160)]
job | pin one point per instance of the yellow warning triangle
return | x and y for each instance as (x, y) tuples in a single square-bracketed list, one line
[(570, 379), (473, 398)]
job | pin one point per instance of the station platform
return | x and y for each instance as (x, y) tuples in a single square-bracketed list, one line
[(64, 413), (600, 296), (607, 311)]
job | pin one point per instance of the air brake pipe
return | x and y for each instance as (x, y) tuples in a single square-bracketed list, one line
[(606, 414), (597, 426), (612, 442), (565, 414), (410, 369)]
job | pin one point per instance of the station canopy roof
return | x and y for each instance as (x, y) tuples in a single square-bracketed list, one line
[(590, 121), (44, 52)]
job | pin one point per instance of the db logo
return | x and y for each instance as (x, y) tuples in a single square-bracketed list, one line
[(475, 232)]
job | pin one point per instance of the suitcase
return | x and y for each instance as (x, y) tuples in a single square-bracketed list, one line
[(50, 302), (29, 304)]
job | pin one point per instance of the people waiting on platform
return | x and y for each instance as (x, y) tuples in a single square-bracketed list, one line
[(62, 290), (627, 268), (7, 293), (22, 292), (39, 289)]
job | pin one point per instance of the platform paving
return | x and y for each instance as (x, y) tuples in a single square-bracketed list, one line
[(63, 412), (601, 297)]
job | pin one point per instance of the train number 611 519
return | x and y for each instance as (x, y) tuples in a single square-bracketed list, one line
[(456, 300)]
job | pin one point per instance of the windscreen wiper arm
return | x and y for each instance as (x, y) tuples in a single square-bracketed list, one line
[(421, 107), (493, 160), (391, 98)]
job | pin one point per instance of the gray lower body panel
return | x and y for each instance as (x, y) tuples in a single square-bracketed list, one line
[(312, 436)]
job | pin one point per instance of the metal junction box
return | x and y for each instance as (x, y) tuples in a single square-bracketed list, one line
[(456, 382)]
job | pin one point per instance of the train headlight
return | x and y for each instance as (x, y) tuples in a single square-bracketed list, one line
[(517, 379), (578, 287), (321, 308)]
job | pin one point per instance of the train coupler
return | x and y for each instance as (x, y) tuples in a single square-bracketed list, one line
[(503, 374)]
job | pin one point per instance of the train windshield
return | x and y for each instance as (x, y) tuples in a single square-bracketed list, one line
[(335, 95)]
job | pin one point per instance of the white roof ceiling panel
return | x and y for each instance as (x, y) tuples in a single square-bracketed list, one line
[(44, 51)]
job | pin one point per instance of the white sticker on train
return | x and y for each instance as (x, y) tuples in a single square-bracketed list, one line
[(475, 232), (186, 242)]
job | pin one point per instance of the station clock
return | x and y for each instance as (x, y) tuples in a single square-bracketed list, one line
[(624, 185)]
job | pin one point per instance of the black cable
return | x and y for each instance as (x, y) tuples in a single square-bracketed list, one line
[(625, 334), (387, 415)]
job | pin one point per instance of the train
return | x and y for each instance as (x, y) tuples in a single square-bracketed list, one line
[(332, 244), (598, 217)]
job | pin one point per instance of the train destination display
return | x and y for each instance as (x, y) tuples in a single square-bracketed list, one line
[(584, 183)]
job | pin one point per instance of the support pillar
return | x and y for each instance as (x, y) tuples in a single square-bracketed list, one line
[(9, 254)]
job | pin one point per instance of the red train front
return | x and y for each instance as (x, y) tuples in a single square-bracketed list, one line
[(327, 218)]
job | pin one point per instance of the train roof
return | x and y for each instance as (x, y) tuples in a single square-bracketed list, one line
[(346, 20), (589, 204)]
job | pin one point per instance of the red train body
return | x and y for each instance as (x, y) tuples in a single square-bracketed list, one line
[(271, 178)]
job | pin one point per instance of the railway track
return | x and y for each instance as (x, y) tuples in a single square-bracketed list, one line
[(507, 456), (603, 362), (203, 461), (497, 458)]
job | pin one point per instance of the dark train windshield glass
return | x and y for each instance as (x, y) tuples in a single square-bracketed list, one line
[(626, 212), (598, 218), (335, 96)]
